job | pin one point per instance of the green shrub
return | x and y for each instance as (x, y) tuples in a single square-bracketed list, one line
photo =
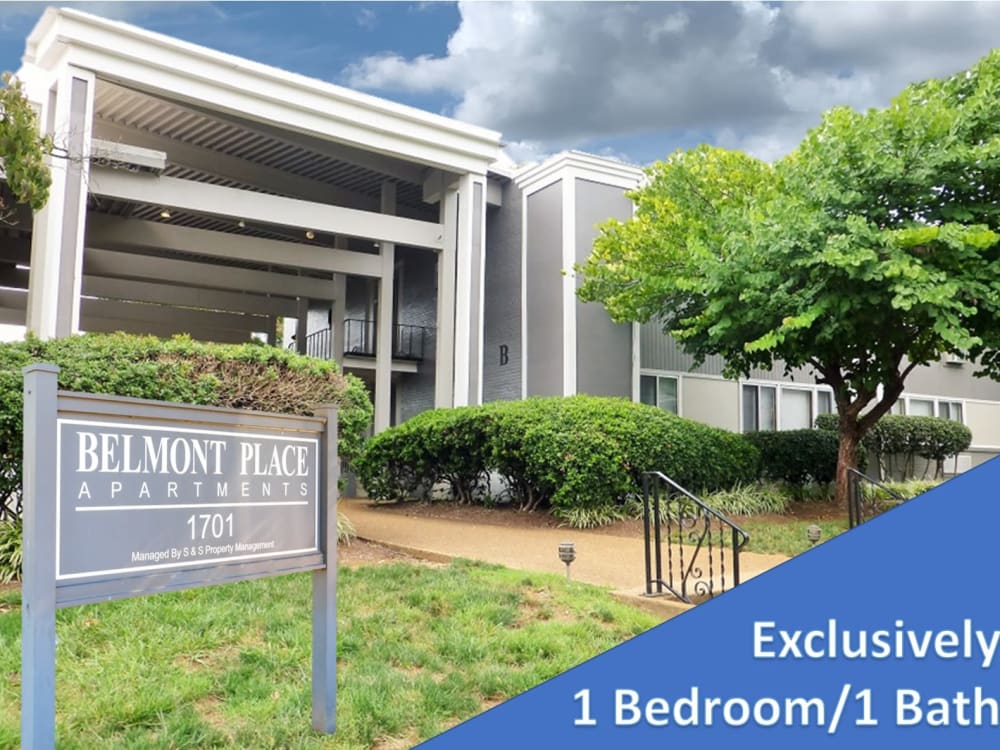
[(749, 499), (11, 550), (797, 456), (582, 456), (897, 441), (908, 490), (439, 446), (827, 422), (246, 376), (589, 518)]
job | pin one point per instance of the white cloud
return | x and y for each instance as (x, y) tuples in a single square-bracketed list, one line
[(750, 75)]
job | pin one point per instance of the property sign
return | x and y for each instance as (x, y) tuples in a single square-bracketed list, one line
[(125, 497), (142, 497)]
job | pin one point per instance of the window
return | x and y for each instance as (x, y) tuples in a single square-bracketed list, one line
[(779, 407), (659, 390), (796, 409), (928, 406), (824, 402), (950, 410), (759, 408)]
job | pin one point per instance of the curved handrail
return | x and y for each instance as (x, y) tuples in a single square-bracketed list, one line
[(657, 485), (701, 504), (855, 514)]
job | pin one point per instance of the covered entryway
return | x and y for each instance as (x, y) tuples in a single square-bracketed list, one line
[(195, 192)]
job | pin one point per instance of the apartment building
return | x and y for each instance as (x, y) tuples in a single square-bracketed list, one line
[(196, 199)]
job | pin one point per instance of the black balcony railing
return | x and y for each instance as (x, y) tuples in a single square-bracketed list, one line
[(360, 340)]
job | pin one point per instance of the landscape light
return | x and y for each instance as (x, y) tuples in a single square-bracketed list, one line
[(567, 553), (813, 533)]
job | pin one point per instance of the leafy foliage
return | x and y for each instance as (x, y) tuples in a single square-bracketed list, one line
[(11, 550), (868, 251), (908, 489), (247, 376), (897, 440), (22, 148), (797, 456), (581, 456), (749, 499)]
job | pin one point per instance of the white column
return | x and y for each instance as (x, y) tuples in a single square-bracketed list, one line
[(58, 231), (469, 257), (569, 283), (383, 336), (637, 361), (444, 355)]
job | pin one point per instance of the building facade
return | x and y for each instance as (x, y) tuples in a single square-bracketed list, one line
[(196, 192)]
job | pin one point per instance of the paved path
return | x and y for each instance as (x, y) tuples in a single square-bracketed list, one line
[(601, 558)]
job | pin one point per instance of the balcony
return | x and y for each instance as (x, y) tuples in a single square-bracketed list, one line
[(360, 341)]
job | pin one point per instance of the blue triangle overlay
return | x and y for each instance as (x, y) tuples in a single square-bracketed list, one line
[(931, 564)]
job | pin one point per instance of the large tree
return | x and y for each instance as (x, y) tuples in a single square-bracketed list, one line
[(868, 251), (22, 150)]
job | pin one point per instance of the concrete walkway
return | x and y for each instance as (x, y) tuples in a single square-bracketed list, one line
[(601, 558)]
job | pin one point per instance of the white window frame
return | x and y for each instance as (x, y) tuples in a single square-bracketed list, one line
[(937, 401), (677, 377), (779, 386)]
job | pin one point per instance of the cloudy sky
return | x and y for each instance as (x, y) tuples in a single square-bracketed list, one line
[(632, 80)]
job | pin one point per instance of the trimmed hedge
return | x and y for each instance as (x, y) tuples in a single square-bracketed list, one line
[(569, 454), (245, 376), (896, 440), (797, 456)]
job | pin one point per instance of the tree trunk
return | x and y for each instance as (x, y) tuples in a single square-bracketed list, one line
[(847, 457)]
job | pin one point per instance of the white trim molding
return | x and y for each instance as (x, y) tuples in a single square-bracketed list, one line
[(534, 177), (569, 282), (192, 73)]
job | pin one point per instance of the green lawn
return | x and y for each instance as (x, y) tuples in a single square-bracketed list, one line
[(787, 537), (420, 649)]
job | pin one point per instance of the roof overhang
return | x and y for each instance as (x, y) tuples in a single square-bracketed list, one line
[(187, 72), (581, 165)]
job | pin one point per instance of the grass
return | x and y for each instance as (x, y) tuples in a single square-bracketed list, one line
[(420, 649), (787, 537)]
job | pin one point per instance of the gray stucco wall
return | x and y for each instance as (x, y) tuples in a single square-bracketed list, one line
[(417, 305), (603, 348), (543, 306), (502, 301)]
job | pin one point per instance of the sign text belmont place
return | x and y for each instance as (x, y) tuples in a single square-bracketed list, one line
[(157, 498), (125, 497)]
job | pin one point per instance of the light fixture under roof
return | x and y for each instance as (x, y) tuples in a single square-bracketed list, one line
[(310, 235), (165, 213), (241, 224)]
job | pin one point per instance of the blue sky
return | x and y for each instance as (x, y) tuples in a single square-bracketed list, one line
[(631, 80)]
